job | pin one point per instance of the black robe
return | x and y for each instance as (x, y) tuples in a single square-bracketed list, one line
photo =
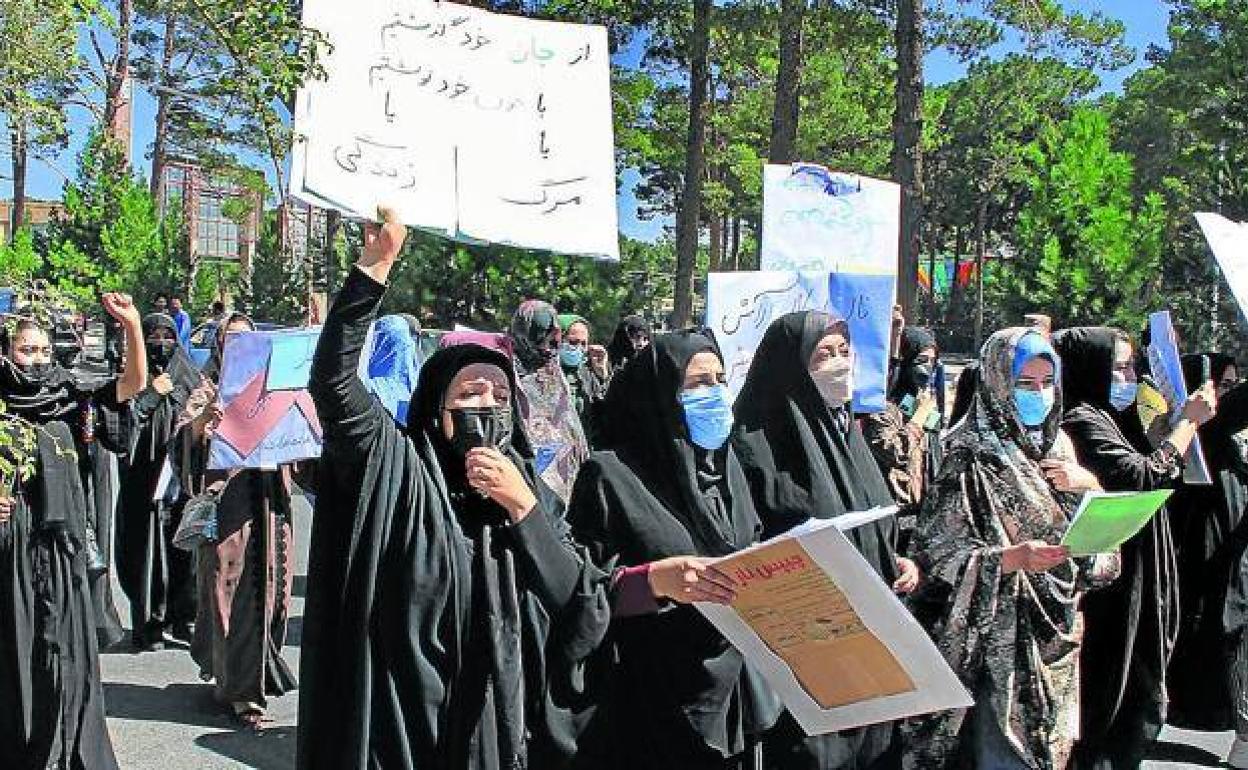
[(804, 460), (435, 634), (1211, 533), (155, 576), (53, 712), (680, 695), (1130, 625)]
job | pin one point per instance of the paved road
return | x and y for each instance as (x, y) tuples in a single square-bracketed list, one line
[(163, 718)]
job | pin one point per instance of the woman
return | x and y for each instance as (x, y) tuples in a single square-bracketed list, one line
[(990, 533), (1208, 674), (905, 437), (1131, 625), (392, 364), (671, 486), (546, 404), (244, 577), (53, 713), (804, 457), (155, 576), (584, 367), (448, 614), (630, 338)]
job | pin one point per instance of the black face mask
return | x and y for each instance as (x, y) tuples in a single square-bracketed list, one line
[(487, 426), (35, 374), (921, 376), (160, 353)]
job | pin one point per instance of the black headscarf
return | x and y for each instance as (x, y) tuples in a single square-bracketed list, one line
[(535, 334), (156, 415), (914, 340), (1087, 354), (964, 392), (802, 458), (620, 350), (643, 423), (1194, 365)]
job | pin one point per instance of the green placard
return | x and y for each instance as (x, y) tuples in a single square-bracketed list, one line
[(1106, 520)]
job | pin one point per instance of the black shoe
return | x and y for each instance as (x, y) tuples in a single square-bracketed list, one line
[(144, 643)]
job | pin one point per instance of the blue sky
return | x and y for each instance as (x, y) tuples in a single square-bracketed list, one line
[(1145, 22)]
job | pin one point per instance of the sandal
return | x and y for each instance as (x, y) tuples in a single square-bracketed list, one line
[(250, 716)]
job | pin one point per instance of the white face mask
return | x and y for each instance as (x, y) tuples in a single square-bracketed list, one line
[(835, 381)]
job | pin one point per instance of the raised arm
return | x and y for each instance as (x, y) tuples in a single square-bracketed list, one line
[(342, 401), (134, 379)]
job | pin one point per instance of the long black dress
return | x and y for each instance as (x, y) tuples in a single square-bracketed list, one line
[(680, 695), (156, 577), (435, 634), (1207, 676), (804, 460), (1132, 623), (53, 708)]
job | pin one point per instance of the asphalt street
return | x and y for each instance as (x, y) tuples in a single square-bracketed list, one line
[(162, 717)]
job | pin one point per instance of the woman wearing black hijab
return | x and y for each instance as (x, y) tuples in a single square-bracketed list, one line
[(1209, 672), (1131, 625), (448, 613), (53, 712), (155, 576), (905, 436), (805, 457), (631, 337), (669, 487)]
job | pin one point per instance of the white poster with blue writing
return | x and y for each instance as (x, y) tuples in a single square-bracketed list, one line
[(820, 220), (479, 126), (1167, 370), (740, 306)]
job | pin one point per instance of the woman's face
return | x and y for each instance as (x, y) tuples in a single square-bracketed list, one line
[(1230, 378), (475, 386), (1036, 374), (577, 336), (161, 334), (1124, 362), (833, 346), (704, 370), (30, 347), (926, 357)]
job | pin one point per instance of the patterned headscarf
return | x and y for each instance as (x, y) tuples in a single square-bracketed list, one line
[(535, 334)]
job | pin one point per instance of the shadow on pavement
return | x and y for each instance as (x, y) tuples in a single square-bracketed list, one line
[(188, 704), (1164, 751), (269, 750)]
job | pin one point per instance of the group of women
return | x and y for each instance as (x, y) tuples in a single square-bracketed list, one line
[(463, 613)]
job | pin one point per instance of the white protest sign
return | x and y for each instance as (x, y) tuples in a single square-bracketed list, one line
[(818, 220), (479, 126), (1167, 370), (1229, 242), (831, 638), (741, 305)]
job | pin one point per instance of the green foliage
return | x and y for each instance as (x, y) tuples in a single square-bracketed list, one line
[(1086, 253), (19, 260), (278, 292)]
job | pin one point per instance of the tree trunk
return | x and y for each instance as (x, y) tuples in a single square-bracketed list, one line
[(116, 94), (907, 161), (736, 243), (715, 226), (17, 140), (784, 113), (689, 213), (163, 97), (981, 245)]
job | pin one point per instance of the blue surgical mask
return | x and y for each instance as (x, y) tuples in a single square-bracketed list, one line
[(571, 356), (708, 415), (1034, 405), (1122, 394)]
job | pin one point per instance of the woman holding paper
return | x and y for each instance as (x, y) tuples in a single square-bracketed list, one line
[(1131, 626), (1208, 675), (449, 616), (155, 576), (665, 499), (805, 457), (989, 534), (244, 576)]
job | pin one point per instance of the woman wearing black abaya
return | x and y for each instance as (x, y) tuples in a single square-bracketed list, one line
[(1131, 625), (155, 576), (669, 486), (630, 338), (448, 613), (805, 457), (53, 713), (1208, 674)]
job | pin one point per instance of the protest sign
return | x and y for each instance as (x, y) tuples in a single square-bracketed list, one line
[(1167, 369), (816, 220), (479, 126), (1229, 242), (1106, 520), (831, 638), (741, 305), (268, 416)]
